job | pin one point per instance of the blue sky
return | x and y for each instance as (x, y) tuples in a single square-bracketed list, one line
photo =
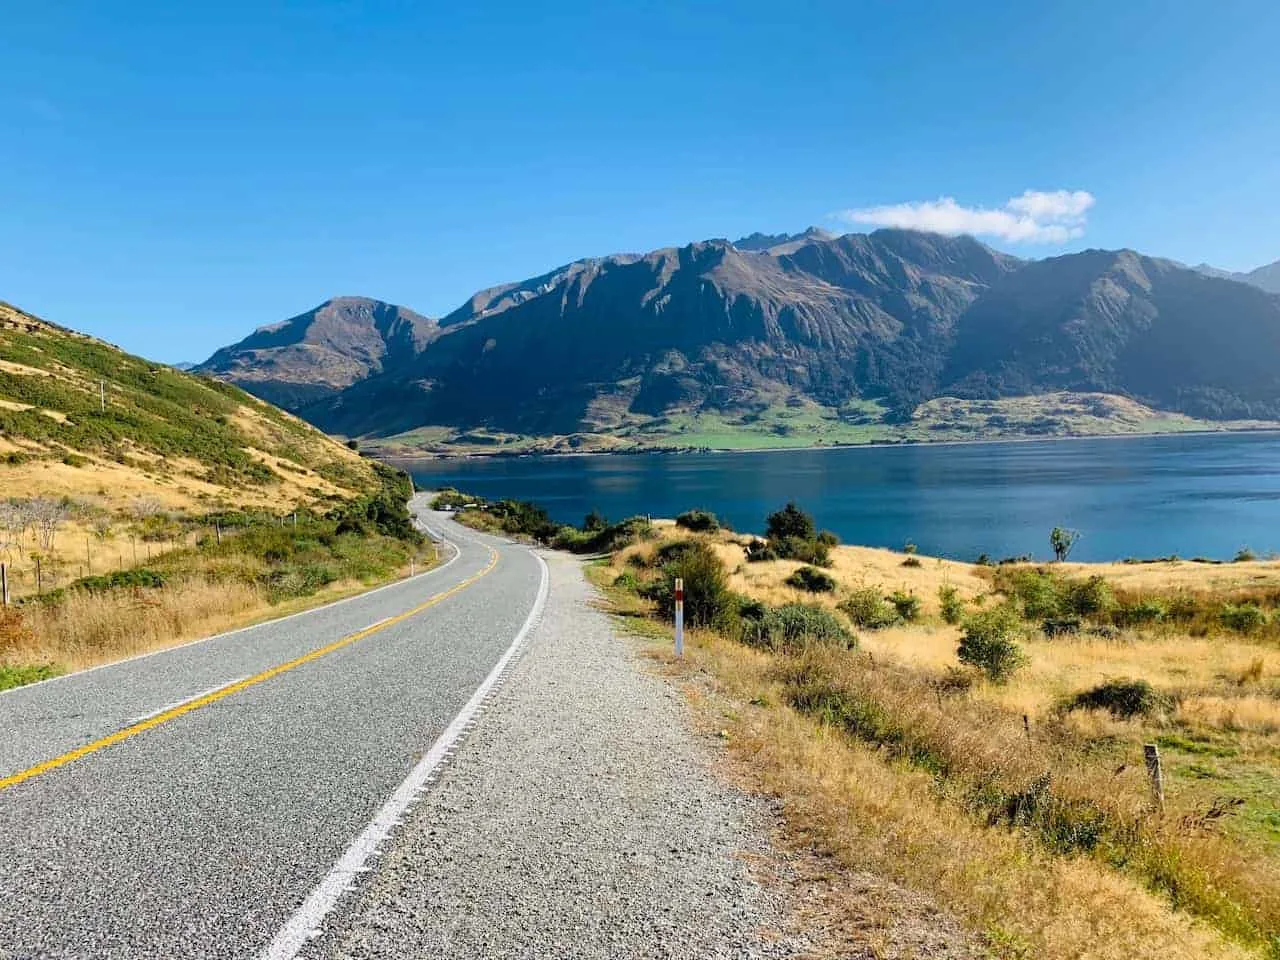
[(172, 177)]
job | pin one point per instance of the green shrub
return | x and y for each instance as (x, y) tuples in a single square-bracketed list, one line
[(911, 562), (811, 579), (1088, 598), (1139, 613), (790, 626), (1244, 555), (951, 603), (906, 604), (760, 551), (1242, 618), (988, 642), (1061, 626), (594, 522), (139, 577), (707, 598), (816, 552), (1124, 699), (790, 523), (1037, 591), (867, 608), (699, 521)]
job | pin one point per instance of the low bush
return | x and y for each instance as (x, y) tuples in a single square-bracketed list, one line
[(906, 604), (627, 580), (707, 598), (1061, 626), (1242, 617), (866, 608), (950, 603), (139, 577), (790, 626), (1124, 699), (989, 643), (1139, 613), (698, 521), (812, 580), (760, 551), (816, 552), (912, 562)]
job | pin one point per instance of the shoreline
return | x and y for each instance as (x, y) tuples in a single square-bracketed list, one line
[(873, 445)]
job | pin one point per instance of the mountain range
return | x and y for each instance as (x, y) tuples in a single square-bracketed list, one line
[(861, 326)]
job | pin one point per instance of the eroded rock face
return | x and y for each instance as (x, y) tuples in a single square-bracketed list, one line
[(896, 315)]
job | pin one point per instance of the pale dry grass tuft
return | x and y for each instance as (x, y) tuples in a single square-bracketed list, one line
[(1245, 714)]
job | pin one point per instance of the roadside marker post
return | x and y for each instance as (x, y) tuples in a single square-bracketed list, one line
[(679, 617), (4, 584)]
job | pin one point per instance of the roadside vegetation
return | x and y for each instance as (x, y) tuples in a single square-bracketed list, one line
[(979, 731), (517, 518), (196, 573)]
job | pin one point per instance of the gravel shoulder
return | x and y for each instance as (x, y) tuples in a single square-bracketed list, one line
[(581, 818)]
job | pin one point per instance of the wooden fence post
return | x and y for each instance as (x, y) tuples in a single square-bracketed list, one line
[(1151, 753), (39, 579), (4, 584)]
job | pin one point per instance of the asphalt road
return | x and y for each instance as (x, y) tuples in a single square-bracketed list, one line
[(202, 830)]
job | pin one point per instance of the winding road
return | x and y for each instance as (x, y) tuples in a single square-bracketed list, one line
[(215, 799)]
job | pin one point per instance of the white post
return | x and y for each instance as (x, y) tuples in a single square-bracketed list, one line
[(102, 394), (413, 567), (679, 617)]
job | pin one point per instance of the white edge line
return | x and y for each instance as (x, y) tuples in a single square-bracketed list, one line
[(178, 703), (457, 552), (306, 920)]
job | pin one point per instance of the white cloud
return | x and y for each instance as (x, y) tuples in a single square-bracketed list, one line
[(1036, 216)]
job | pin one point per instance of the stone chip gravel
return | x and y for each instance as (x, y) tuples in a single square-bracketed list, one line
[(581, 818)]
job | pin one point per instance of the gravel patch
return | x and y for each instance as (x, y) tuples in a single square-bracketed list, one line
[(581, 818)]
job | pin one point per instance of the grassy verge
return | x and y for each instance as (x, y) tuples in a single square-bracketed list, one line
[(1022, 801), (234, 570)]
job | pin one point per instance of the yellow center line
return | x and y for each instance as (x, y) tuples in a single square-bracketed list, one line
[(231, 688)]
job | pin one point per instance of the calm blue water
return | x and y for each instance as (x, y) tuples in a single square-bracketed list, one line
[(1141, 497)]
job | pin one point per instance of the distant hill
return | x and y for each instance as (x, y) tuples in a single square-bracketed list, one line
[(865, 328), (81, 417), (318, 353), (1264, 278)]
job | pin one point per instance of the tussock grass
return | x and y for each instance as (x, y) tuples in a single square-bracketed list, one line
[(1029, 813)]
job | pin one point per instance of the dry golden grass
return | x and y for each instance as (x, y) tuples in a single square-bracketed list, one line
[(86, 630), (883, 816), (1225, 687)]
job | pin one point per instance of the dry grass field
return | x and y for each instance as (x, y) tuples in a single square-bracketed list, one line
[(1026, 811)]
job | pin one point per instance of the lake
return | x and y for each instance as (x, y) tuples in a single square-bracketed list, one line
[(1191, 495)]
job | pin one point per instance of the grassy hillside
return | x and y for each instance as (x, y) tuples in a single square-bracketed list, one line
[(977, 732), (142, 506), (185, 441)]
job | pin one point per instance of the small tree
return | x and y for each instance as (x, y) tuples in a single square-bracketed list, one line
[(1063, 541), (790, 522), (950, 603), (48, 516), (594, 522)]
